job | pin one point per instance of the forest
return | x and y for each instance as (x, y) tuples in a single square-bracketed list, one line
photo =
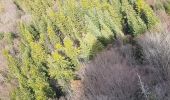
[(84, 49)]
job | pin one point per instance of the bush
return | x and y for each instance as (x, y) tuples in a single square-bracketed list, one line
[(155, 47), (156, 50), (167, 6), (108, 76), (1, 36)]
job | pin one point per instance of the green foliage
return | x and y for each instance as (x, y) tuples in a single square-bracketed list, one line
[(89, 46), (25, 34), (146, 13), (167, 6), (135, 25), (37, 52), (1, 36), (33, 82), (64, 60), (9, 37), (53, 38), (64, 31)]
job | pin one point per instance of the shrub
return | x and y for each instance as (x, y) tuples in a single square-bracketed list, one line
[(108, 76), (167, 6), (156, 51), (1, 36)]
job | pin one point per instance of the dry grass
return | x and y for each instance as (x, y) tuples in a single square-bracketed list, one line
[(151, 2), (164, 21), (4, 91), (9, 17), (1, 7)]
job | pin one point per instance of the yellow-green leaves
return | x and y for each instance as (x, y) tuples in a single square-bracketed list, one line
[(146, 13), (37, 52), (52, 35), (25, 34), (134, 24), (140, 5), (59, 67), (89, 46), (64, 31), (64, 60), (70, 50)]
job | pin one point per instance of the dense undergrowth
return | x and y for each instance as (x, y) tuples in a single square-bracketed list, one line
[(64, 33)]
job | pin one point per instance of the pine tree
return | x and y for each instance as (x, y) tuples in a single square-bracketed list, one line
[(146, 13), (63, 62), (91, 27), (134, 23), (53, 38), (63, 32), (89, 46), (167, 6)]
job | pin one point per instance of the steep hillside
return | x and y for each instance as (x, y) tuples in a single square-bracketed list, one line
[(83, 49)]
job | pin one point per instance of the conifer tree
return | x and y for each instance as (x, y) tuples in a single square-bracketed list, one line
[(61, 33), (63, 62), (32, 82), (167, 6), (53, 38), (29, 70), (146, 13), (89, 46), (134, 23)]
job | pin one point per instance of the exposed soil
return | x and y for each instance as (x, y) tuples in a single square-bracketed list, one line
[(9, 17)]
